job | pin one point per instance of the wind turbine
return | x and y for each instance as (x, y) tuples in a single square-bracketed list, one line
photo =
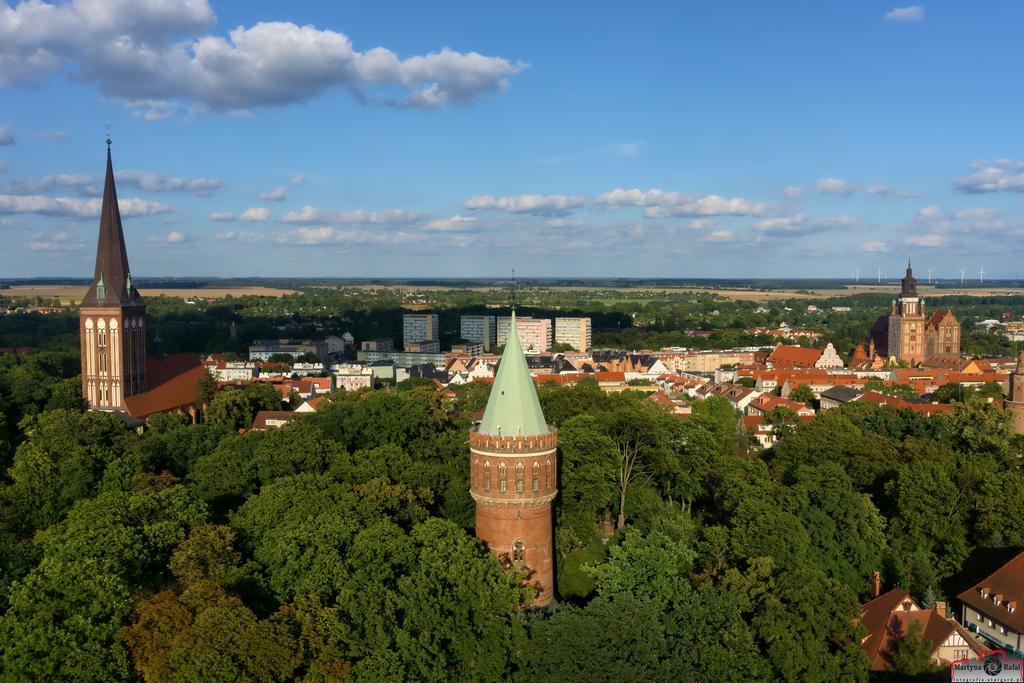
[(856, 274), (879, 276), (981, 276), (962, 271), (930, 271)]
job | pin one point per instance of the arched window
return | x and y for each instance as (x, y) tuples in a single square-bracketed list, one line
[(547, 474), (536, 476), (519, 477), (518, 551), (502, 477), (487, 476)]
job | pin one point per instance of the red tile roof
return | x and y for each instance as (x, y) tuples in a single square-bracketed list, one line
[(259, 422), (887, 619), (795, 356), (172, 384), (1006, 586)]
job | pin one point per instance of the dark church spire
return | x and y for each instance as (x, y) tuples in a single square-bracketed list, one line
[(111, 282), (909, 284)]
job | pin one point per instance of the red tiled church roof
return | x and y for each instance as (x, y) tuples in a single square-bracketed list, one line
[(172, 384)]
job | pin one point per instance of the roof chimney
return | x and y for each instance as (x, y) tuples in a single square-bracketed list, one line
[(940, 608), (876, 584)]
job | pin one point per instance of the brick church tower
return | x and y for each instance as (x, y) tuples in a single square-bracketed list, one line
[(112, 317), (907, 323), (1016, 401), (513, 472)]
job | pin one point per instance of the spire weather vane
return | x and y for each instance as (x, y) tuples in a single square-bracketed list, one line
[(108, 137)]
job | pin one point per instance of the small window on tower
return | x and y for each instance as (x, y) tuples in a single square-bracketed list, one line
[(518, 552), (487, 476), (502, 477)]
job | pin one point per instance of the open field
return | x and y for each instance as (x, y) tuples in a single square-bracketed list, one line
[(74, 293), (624, 294)]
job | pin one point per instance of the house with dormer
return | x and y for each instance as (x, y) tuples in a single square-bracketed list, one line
[(993, 608)]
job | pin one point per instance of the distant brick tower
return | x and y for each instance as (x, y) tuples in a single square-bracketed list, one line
[(1016, 401), (112, 317), (513, 472), (907, 323)]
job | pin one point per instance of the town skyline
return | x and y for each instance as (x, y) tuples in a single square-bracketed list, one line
[(728, 142)]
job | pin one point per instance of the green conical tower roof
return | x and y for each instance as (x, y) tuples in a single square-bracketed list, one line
[(513, 408)]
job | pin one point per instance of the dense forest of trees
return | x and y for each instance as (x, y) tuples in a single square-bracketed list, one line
[(342, 545)]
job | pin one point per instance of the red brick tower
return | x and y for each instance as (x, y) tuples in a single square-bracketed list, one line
[(112, 317), (1016, 400), (513, 472)]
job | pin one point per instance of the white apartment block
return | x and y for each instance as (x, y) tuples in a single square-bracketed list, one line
[(534, 333), (576, 332), (480, 328), (419, 327)]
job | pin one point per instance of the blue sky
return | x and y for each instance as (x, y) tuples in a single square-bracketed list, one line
[(672, 139)]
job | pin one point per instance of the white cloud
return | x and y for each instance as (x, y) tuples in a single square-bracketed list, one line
[(871, 246), (298, 179), (327, 235), (223, 217), (255, 214), (84, 184), (911, 13), (172, 238), (879, 190), (239, 236), (90, 186), (564, 223), (455, 223), (148, 181), (155, 55), (278, 194), (68, 207), (310, 215), (701, 223), (660, 204), (1001, 175), (793, 192), (6, 138), (930, 240), (59, 242), (553, 205), (718, 236), (54, 135), (798, 224), (835, 186), (980, 213), (929, 213)]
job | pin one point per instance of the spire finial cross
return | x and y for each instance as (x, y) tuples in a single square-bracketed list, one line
[(108, 137), (513, 289)]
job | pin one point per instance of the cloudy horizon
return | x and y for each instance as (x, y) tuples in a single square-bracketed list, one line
[(727, 141)]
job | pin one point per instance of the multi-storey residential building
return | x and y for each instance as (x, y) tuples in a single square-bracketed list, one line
[(419, 327), (425, 346), (990, 606), (576, 332), (535, 334), (377, 345), (480, 328), (263, 349)]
